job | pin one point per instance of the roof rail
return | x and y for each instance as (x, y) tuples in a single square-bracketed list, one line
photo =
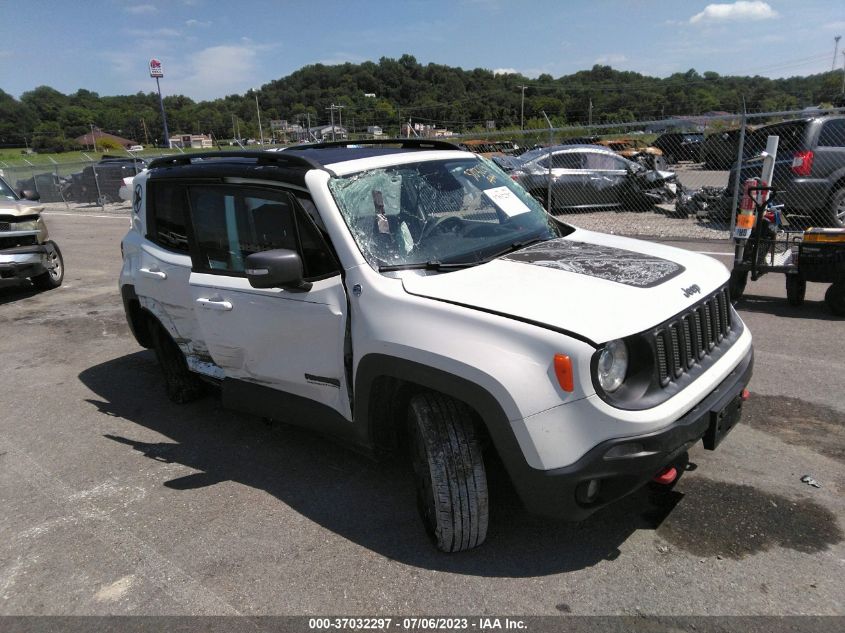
[(261, 158), (404, 143)]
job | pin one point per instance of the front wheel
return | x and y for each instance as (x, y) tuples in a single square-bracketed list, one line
[(449, 472), (736, 286), (796, 288), (835, 298), (55, 273)]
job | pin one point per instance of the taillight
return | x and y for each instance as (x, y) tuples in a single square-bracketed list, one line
[(802, 163)]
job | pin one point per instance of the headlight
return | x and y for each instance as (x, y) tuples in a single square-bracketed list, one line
[(30, 225), (612, 365)]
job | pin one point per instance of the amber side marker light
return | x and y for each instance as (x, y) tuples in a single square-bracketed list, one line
[(563, 371)]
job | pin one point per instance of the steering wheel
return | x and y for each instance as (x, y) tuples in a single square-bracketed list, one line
[(440, 224)]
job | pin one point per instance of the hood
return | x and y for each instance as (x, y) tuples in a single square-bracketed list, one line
[(597, 286), (20, 207)]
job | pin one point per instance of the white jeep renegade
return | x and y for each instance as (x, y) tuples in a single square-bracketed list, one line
[(409, 294)]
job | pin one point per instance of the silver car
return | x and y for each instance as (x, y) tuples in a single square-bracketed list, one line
[(25, 251), (586, 177)]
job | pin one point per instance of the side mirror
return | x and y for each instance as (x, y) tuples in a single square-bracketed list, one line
[(279, 268), (28, 194)]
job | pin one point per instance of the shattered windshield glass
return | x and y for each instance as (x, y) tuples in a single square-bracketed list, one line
[(439, 214)]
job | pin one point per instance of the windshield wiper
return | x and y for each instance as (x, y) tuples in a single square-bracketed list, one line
[(431, 265), (515, 246)]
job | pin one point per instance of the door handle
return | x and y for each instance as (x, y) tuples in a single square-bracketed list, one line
[(152, 274), (215, 304)]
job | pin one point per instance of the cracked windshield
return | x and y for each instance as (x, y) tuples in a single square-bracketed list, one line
[(439, 214)]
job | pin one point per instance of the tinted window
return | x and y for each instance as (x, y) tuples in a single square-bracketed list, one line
[(791, 138), (166, 218), (231, 224), (833, 134), (567, 160), (604, 161)]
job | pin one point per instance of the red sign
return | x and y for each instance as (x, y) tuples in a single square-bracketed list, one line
[(156, 69)]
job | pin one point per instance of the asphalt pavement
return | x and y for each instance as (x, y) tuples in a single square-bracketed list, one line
[(116, 501)]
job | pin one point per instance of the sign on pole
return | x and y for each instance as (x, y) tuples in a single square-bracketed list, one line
[(156, 69)]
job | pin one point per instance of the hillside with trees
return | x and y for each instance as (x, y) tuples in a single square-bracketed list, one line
[(404, 89)]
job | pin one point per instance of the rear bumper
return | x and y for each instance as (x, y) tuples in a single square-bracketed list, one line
[(21, 262), (806, 194), (556, 492)]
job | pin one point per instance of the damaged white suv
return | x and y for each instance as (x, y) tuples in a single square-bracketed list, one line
[(408, 295)]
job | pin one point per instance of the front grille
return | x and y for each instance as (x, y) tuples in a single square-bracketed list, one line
[(690, 336), (5, 226), (12, 242)]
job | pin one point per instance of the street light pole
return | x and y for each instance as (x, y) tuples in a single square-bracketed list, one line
[(836, 39), (258, 111), (522, 109)]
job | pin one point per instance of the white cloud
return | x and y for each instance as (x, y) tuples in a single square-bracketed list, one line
[(141, 9), (738, 11), (505, 71), (217, 71), (611, 58), (194, 23)]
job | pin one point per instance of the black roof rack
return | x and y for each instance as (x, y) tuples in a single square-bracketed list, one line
[(282, 159), (403, 143)]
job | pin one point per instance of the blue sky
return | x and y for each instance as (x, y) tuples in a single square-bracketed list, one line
[(211, 48)]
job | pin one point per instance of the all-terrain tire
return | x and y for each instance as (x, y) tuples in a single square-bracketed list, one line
[(181, 383), (835, 298), (449, 472), (796, 288), (736, 286), (52, 277), (837, 208)]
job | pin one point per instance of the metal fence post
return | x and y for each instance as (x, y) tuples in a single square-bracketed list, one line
[(740, 150), (549, 190)]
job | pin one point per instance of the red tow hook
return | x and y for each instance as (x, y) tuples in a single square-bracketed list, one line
[(666, 476), (745, 394)]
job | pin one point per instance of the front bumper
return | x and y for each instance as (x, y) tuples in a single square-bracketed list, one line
[(556, 492), (21, 262)]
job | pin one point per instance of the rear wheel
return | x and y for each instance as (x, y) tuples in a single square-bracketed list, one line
[(449, 472), (837, 208), (55, 273), (796, 288), (835, 298), (181, 383)]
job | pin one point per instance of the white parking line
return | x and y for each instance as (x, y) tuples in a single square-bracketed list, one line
[(725, 253)]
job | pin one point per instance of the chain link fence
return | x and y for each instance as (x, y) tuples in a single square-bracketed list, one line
[(672, 178)]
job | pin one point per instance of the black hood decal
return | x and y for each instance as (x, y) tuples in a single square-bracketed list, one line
[(605, 262)]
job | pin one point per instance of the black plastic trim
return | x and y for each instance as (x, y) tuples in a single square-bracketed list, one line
[(403, 143), (260, 158)]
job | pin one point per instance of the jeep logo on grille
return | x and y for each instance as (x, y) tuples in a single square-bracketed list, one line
[(692, 290)]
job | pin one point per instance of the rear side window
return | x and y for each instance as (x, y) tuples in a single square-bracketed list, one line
[(833, 134), (567, 160), (166, 217), (791, 138), (230, 224)]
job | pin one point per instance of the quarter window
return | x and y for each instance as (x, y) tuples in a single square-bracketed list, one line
[(167, 224), (833, 134)]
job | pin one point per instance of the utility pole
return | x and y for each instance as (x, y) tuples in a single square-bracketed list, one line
[(93, 139), (331, 111), (340, 115), (836, 39), (590, 114), (522, 109), (258, 110), (146, 134), (308, 118), (843, 72)]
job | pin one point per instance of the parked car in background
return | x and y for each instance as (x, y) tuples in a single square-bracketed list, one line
[(100, 183), (637, 150), (25, 251), (719, 149), (587, 177), (488, 149), (678, 146), (810, 167)]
